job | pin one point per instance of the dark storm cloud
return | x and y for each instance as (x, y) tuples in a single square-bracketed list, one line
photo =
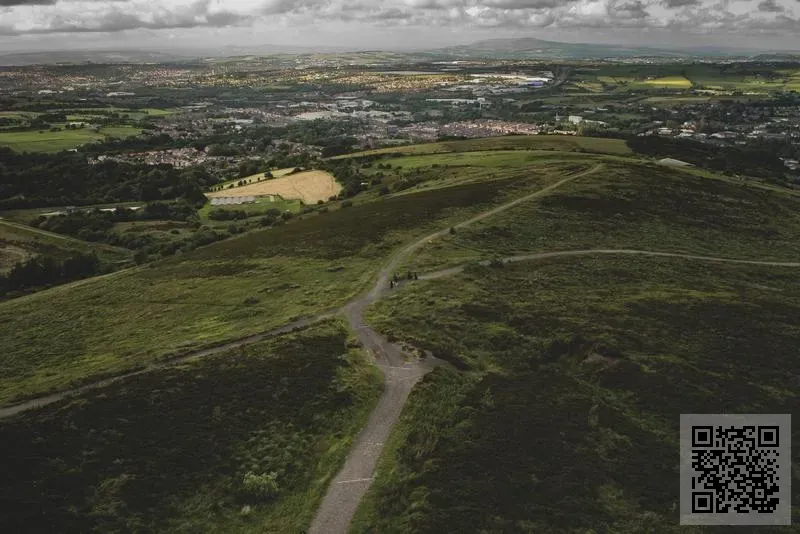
[(770, 6), (682, 3), (9, 3)]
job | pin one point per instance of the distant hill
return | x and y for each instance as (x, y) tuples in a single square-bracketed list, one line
[(529, 47)]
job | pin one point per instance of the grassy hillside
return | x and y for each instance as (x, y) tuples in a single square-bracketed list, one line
[(564, 415), (238, 287), (191, 449), (19, 243), (633, 206), (515, 142)]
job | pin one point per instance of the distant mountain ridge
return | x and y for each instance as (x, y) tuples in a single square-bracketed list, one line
[(512, 48), (530, 48)]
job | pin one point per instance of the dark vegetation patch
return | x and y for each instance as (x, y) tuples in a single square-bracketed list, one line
[(632, 206), (565, 414), (348, 232), (188, 447)]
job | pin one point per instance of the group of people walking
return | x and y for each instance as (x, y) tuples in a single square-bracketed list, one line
[(396, 278)]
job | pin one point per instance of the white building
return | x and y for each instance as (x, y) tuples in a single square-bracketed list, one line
[(575, 119)]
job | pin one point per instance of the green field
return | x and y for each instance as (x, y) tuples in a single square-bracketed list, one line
[(564, 414), (516, 142), (261, 206), (170, 450), (226, 290), (18, 243), (47, 141)]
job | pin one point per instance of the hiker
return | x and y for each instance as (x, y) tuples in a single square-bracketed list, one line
[(391, 284), (416, 276)]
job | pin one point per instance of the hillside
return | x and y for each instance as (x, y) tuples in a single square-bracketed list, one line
[(558, 302)]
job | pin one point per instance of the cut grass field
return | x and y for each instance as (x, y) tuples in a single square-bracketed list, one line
[(227, 290), (19, 242), (514, 142), (47, 141), (169, 450), (261, 206), (308, 186), (564, 415), (634, 206)]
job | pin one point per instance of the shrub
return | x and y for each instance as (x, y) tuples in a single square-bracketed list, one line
[(262, 486)]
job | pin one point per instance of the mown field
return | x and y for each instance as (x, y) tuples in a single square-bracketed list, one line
[(561, 412), (19, 243), (48, 141), (308, 186), (241, 286), (242, 442), (514, 142), (628, 205)]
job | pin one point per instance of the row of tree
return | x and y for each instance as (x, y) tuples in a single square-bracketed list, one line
[(45, 270)]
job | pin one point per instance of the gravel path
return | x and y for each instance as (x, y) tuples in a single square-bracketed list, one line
[(588, 252)]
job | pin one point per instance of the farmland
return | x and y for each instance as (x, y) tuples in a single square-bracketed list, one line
[(178, 449), (563, 415), (308, 186), (49, 141)]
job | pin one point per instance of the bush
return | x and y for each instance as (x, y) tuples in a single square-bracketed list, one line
[(261, 487), (347, 204)]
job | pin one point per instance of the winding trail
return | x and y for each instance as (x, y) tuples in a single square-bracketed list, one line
[(401, 372), (588, 252)]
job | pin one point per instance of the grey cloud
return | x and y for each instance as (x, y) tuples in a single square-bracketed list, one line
[(525, 4), (770, 6), (194, 15), (10, 3), (682, 3), (633, 9)]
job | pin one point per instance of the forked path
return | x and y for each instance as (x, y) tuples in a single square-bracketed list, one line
[(352, 311), (401, 373)]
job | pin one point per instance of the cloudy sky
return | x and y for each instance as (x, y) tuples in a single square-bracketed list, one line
[(404, 24)]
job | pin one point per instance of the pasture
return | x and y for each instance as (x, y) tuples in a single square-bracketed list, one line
[(308, 186), (49, 141)]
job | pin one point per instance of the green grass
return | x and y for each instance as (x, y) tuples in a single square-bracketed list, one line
[(226, 290), (47, 141), (260, 207), (18, 242), (679, 82), (628, 205), (516, 142), (564, 415), (168, 451)]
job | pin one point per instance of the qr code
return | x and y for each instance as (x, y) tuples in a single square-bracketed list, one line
[(735, 469)]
